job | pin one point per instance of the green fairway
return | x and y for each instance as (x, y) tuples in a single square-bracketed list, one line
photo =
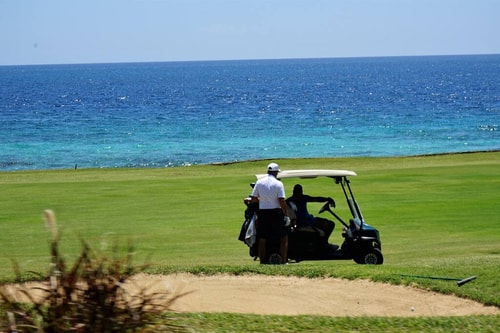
[(437, 215)]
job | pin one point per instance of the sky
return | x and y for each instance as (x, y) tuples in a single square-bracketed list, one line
[(108, 31)]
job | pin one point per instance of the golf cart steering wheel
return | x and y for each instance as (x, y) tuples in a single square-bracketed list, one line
[(324, 208)]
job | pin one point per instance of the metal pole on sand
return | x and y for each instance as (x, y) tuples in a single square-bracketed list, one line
[(460, 281)]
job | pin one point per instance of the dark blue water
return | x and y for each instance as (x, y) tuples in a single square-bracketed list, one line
[(184, 113)]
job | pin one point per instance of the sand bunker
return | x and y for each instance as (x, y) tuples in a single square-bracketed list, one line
[(259, 294), (278, 295)]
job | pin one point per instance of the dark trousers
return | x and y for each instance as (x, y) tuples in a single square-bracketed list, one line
[(271, 224)]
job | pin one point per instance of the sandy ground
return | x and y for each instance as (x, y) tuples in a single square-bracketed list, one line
[(257, 294)]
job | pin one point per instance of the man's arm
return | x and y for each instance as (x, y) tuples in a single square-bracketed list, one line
[(283, 206), (319, 199)]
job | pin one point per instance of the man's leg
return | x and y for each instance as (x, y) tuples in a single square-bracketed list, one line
[(326, 225), (284, 249), (262, 250)]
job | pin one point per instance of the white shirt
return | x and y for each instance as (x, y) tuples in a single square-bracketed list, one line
[(268, 190)]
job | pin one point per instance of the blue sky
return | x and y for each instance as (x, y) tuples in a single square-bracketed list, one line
[(97, 31)]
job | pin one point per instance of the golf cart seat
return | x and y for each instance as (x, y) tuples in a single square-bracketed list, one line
[(293, 217), (310, 228)]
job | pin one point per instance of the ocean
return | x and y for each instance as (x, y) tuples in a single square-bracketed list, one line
[(158, 115)]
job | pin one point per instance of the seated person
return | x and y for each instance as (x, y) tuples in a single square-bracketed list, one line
[(304, 218)]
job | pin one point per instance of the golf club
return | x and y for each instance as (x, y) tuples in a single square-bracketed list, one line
[(460, 282)]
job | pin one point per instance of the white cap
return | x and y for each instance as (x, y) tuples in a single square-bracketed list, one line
[(273, 167)]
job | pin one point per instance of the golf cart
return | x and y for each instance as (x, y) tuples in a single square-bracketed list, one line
[(361, 241)]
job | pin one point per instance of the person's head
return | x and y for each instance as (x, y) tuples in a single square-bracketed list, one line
[(297, 190), (273, 169)]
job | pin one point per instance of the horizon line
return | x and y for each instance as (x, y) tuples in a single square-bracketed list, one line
[(249, 59)]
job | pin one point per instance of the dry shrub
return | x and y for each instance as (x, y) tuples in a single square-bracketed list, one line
[(89, 296)]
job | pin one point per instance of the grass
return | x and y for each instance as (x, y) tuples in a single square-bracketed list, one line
[(207, 322), (437, 215)]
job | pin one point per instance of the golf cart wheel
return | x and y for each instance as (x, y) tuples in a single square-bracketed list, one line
[(372, 257), (275, 259)]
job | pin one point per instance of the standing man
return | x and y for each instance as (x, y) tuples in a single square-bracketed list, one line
[(269, 192)]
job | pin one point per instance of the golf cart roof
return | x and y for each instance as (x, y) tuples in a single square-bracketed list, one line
[(311, 174)]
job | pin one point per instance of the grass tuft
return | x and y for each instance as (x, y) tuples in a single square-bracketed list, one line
[(88, 296)]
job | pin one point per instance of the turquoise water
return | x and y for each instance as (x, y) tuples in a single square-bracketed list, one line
[(185, 113)]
